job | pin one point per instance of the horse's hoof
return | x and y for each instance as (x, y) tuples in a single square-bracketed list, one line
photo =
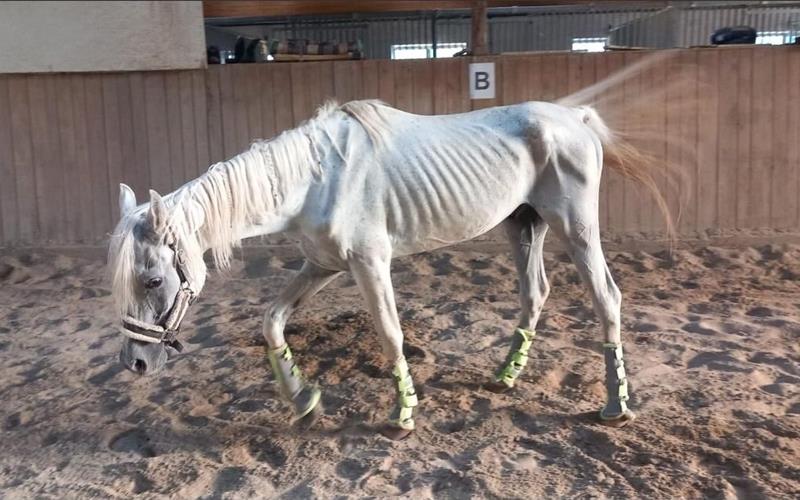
[(395, 433), (618, 421), (497, 387), (304, 422)]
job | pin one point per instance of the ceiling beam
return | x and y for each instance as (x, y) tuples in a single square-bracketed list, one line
[(252, 8)]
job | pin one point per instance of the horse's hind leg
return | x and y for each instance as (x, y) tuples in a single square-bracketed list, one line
[(526, 232), (577, 225), (372, 274), (310, 280)]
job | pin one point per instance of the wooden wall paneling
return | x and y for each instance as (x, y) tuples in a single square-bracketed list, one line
[(241, 85), (23, 159), (216, 141), (634, 199), (188, 122), (84, 192), (175, 145), (601, 73), (98, 156), (227, 107), (458, 87), (793, 135), (201, 125), (441, 67), (157, 133), (127, 171), (676, 199), (300, 92), (615, 182), (140, 181), (369, 78), (326, 88), (386, 77), (688, 134), (707, 138), (423, 88), (743, 137), (113, 117), (9, 211), (782, 197), (266, 104), (654, 126), (761, 134), (282, 105), (532, 78), (727, 138), (404, 85), (252, 89)]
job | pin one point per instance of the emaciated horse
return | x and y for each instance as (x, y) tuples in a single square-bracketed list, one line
[(360, 184)]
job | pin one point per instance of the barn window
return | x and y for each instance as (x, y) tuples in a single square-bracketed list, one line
[(425, 50), (592, 44), (774, 37)]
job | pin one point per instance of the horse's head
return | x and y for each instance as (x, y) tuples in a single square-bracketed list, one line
[(156, 273)]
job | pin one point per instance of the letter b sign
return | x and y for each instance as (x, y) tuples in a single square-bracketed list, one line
[(481, 81)]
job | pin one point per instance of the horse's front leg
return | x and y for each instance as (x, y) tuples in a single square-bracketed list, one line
[(372, 274), (310, 280)]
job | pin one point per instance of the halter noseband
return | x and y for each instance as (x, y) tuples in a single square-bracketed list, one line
[(167, 331)]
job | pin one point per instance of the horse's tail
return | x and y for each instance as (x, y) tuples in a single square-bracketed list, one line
[(619, 154), (629, 161)]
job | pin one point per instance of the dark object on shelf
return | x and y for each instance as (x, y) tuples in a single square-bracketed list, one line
[(291, 50), (212, 55), (734, 35)]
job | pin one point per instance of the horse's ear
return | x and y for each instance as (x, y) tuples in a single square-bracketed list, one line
[(157, 215), (127, 200)]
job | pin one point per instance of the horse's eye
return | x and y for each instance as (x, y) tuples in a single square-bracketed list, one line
[(153, 283)]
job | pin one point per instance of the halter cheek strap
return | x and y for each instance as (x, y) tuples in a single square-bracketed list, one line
[(167, 332)]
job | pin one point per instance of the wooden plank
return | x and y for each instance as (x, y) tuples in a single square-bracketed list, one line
[(369, 78), (98, 157), (86, 213), (128, 169), (793, 130), (242, 137), (282, 103), (404, 86), (743, 126), (327, 86), (534, 70), (188, 136), (140, 178), (386, 91), (782, 196), (656, 115), (269, 129), (201, 125), (423, 88), (688, 128), (25, 179), (230, 140), (8, 191), (727, 138), (112, 118), (633, 201), (440, 70), (458, 87), (615, 183), (707, 138), (175, 165), (216, 147), (157, 133), (601, 72), (761, 130), (300, 92)]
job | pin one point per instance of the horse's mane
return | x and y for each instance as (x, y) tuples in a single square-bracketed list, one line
[(213, 210)]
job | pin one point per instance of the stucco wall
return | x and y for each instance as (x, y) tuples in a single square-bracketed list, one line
[(38, 37)]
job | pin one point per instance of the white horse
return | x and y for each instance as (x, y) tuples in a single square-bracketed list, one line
[(360, 184)]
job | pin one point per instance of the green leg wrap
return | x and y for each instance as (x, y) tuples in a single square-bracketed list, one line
[(290, 378), (403, 414), (517, 357), (616, 383)]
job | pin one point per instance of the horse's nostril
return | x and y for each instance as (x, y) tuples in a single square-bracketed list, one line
[(153, 283), (139, 366)]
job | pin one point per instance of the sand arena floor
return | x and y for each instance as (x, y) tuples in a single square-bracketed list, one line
[(712, 341)]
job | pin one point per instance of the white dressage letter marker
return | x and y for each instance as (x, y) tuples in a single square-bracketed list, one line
[(481, 80)]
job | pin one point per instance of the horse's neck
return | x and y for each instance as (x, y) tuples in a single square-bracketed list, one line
[(249, 195)]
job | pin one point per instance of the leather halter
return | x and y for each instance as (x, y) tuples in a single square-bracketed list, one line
[(166, 331)]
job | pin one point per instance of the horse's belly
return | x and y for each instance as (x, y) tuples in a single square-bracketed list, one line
[(425, 211)]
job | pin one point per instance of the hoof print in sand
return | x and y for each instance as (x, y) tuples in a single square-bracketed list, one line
[(133, 441)]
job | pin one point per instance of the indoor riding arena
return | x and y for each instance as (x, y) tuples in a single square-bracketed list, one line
[(222, 278)]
